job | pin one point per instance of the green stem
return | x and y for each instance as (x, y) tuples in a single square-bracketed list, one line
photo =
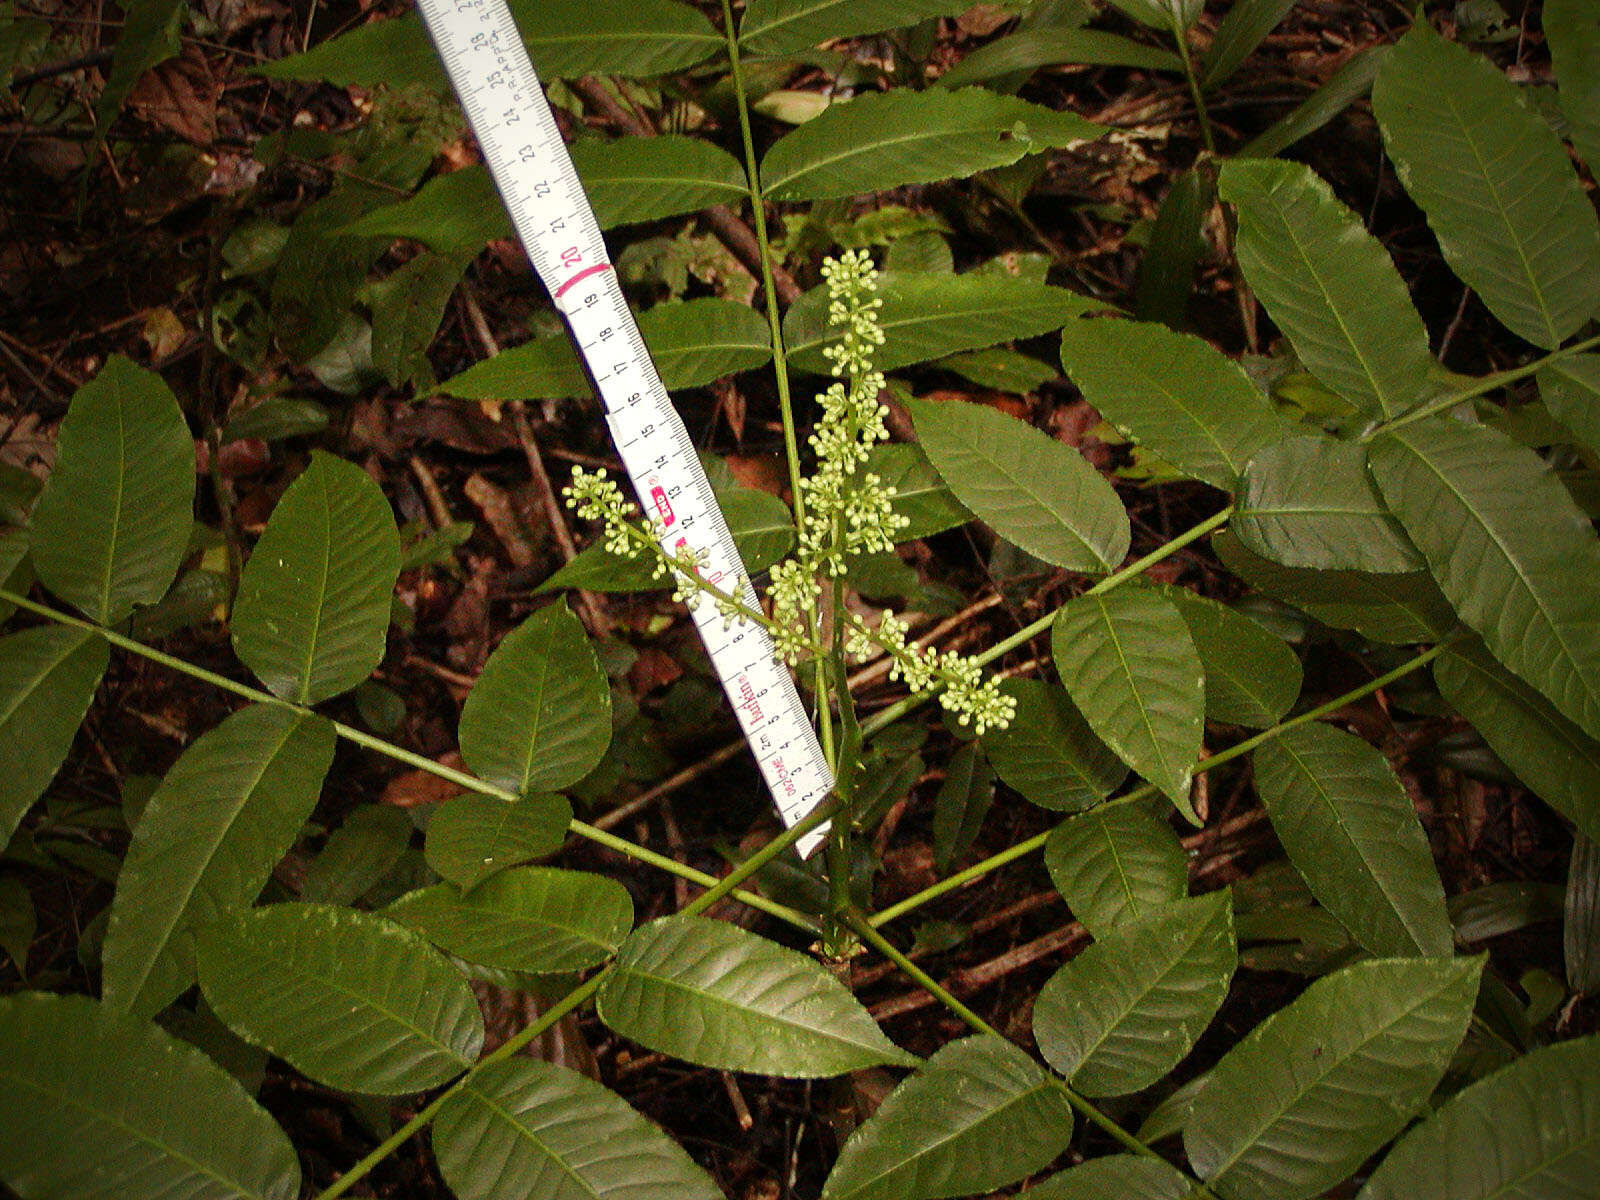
[(1026, 634), (1482, 387), (361, 738), (1206, 134), (870, 934), (1021, 849), (769, 287)]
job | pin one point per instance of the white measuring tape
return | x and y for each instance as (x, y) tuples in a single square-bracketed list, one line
[(505, 104)]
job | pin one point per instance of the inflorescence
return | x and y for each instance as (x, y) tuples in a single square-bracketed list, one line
[(848, 511)]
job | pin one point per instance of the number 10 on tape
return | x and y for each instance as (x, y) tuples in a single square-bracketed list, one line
[(489, 68)]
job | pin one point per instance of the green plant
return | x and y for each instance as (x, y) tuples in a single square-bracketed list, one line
[(1418, 515)]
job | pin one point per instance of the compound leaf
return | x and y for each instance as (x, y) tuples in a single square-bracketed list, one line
[(100, 1105), (47, 679), (536, 919), (314, 599), (1510, 549), (346, 998), (521, 1128), (205, 845), (112, 524), (1173, 393), (1329, 285), (1123, 1013), (977, 1115), (1531, 1130), (1309, 502), (930, 316), (1116, 864), (1049, 753), (539, 716), (472, 837), (885, 140), (710, 993), (1031, 489), (1127, 660), (1496, 185), (1317, 1087), (1349, 827)]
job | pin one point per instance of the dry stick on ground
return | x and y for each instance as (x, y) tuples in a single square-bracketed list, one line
[(729, 228), (1073, 935), (590, 607)]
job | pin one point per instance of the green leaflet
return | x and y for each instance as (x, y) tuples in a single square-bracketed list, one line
[(1496, 184), (692, 342), (1116, 864), (1244, 27), (112, 524), (1509, 548), (1129, 663), (347, 998), (396, 52), (407, 307), (1350, 829), (455, 214), (313, 604), (1570, 389), (536, 1129), (148, 38), (782, 26), (977, 1115), (1176, 247), (1170, 16), (1128, 1009), (48, 677), (963, 801), (919, 494), (357, 855), (1047, 46), (1049, 753), (1531, 1129), (1173, 393), (472, 837), (569, 38), (1314, 1089), (1572, 28), (1550, 754), (1115, 1177), (1031, 489), (1344, 87), (98, 1105), (637, 179), (539, 716), (205, 845), (1329, 285), (1397, 609), (1309, 502), (535, 919), (1252, 678), (926, 317), (884, 140), (710, 993)]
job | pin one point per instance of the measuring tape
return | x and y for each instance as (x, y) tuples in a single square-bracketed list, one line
[(505, 104)]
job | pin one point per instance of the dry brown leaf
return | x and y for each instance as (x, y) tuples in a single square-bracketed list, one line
[(180, 95)]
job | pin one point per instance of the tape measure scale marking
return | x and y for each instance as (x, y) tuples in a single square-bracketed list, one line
[(489, 68)]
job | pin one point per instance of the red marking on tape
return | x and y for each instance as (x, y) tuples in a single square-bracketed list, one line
[(583, 274)]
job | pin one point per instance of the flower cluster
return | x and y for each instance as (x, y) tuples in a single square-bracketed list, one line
[(847, 511)]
